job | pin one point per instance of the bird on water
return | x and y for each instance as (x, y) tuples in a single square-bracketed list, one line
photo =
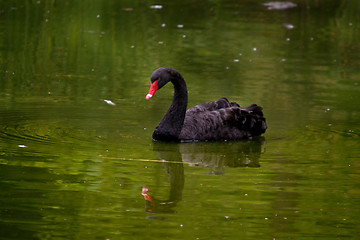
[(220, 120)]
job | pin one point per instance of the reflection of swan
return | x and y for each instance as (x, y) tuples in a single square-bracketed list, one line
[(212, 121), (154, 205), (174, 168), (216, 156)]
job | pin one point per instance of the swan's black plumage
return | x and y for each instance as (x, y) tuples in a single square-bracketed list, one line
[(213, 121)]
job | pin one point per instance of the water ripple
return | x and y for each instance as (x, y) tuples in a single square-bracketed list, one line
[(23, 133)]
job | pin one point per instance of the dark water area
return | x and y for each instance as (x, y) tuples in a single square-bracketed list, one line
[(76, 156)]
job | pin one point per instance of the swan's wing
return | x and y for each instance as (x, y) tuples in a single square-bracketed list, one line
[(229, 123), (215, 105)]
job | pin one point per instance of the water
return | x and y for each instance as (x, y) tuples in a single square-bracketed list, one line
[(73, 166)]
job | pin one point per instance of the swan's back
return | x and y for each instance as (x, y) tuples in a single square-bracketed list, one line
[(221, 120)]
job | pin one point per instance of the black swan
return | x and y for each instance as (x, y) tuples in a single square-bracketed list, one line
[(212, 121)]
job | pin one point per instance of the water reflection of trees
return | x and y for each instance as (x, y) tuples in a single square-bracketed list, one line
[(213, 155)]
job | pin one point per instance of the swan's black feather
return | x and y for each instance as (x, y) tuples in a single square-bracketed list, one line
[(221, 120)]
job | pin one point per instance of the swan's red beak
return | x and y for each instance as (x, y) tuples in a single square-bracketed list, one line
[(153, 89)]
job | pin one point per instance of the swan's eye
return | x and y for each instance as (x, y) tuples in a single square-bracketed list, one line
[(156, 80)]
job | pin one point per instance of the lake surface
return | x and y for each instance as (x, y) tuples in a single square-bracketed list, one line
[(74, 166)]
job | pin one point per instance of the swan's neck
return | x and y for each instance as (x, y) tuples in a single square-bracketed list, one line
[(170, 126)]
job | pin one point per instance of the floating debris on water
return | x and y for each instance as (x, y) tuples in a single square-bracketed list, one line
[(180, 26), (288, 26), (156, 6), (127, 9), (163, 25), (22, 146), (279, 5), (109, 102)]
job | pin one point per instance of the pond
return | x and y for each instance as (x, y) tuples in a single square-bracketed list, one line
[(77, 160)]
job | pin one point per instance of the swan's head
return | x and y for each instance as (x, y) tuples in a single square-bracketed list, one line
[(159, 78)]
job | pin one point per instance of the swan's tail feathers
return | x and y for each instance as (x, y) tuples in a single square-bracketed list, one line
[(259, 126), (255, 109), (253, 120), (234, 104), (221, 103)]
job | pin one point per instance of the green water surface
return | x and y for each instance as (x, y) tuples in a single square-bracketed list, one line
[(73, 166)]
